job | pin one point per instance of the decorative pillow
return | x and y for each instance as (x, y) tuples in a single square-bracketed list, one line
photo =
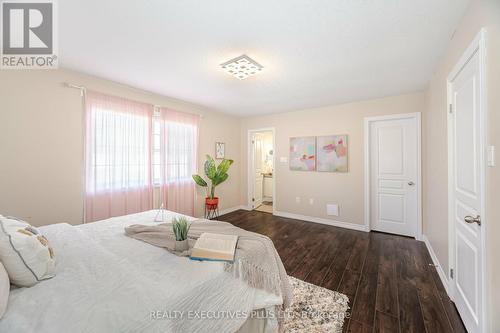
[(4, 290), (25, 253)]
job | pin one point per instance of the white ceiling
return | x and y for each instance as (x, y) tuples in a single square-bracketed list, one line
[(315, 52)]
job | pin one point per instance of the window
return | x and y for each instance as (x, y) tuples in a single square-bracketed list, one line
[(179, 139), (157, 165), (131, 147), (180, 151), (121, 150), (179, 147)]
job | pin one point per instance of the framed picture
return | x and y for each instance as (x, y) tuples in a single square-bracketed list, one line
[(220, 150), (303, 153), (332, 153)]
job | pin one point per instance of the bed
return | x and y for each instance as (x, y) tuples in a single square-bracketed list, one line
[(107, 282)]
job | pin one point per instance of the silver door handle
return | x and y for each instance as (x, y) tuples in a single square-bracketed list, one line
[(470, 219), (411, 183)]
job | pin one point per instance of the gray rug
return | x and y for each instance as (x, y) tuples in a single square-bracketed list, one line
[(315, 309)]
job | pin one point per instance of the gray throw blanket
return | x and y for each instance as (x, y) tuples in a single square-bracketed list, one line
[(256, 260)]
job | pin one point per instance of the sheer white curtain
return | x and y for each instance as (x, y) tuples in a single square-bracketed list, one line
[(118, 156), (179, 151)]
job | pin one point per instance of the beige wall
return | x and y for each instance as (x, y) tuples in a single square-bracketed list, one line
[(345, 189), (480, 14), (41, 147)]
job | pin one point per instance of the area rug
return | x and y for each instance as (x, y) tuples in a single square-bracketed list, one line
[(315, 309)]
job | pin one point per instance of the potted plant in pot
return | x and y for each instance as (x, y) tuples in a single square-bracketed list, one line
[(217, 175), (180, 226)]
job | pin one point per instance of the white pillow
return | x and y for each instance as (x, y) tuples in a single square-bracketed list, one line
[(25, 253), (4, 290)]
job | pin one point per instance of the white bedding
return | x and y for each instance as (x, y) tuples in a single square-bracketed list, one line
[(107, 282)]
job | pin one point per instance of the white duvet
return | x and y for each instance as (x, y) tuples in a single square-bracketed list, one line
[(107, 282)]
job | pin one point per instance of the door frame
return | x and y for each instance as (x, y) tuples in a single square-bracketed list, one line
[(250, 166), (367, 165), (478, 45)]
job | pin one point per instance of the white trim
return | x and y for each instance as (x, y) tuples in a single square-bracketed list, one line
[(232, 209), (250, 178), (346, 225), (419, 178), (437, 264), (477, 45), (229, 210), (367, 121), (471, 50)]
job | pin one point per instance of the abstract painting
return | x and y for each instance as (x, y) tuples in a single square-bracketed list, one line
[(220, 150), (332, 153), (303, 153)]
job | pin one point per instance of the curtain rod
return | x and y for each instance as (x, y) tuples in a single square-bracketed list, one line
[(83, 89), (74, 86)]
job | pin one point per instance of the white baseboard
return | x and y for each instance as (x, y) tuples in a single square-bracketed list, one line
[(439, 268), (232, 209), (358, 227)]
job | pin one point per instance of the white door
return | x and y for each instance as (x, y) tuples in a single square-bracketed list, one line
[(394, 175), (466, 184), (259, 178)]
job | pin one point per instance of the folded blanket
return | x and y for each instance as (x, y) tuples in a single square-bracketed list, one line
[(256, 260)]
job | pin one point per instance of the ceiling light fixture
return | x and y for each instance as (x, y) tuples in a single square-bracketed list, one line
[(242, 67)]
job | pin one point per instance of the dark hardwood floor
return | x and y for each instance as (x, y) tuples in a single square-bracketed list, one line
[(390, 282)]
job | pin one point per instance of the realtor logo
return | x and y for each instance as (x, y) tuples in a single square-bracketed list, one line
[(28, 35)]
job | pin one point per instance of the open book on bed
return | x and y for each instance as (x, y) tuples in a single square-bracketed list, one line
[(215, 247)]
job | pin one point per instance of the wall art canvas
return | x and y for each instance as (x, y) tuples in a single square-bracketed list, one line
[(303, 153), (220, 150), (332, 153)]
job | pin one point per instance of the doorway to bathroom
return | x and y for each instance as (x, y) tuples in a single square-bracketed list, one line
[(261, 177)]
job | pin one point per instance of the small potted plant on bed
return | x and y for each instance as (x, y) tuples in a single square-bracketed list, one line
[(217, 175), (180, 226)]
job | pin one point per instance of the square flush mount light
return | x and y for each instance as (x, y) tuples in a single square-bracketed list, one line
[(242, 67)]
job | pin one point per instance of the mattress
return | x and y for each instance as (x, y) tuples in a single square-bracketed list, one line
[(107, 282)]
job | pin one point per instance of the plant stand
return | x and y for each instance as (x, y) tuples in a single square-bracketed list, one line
[(211, 211)]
